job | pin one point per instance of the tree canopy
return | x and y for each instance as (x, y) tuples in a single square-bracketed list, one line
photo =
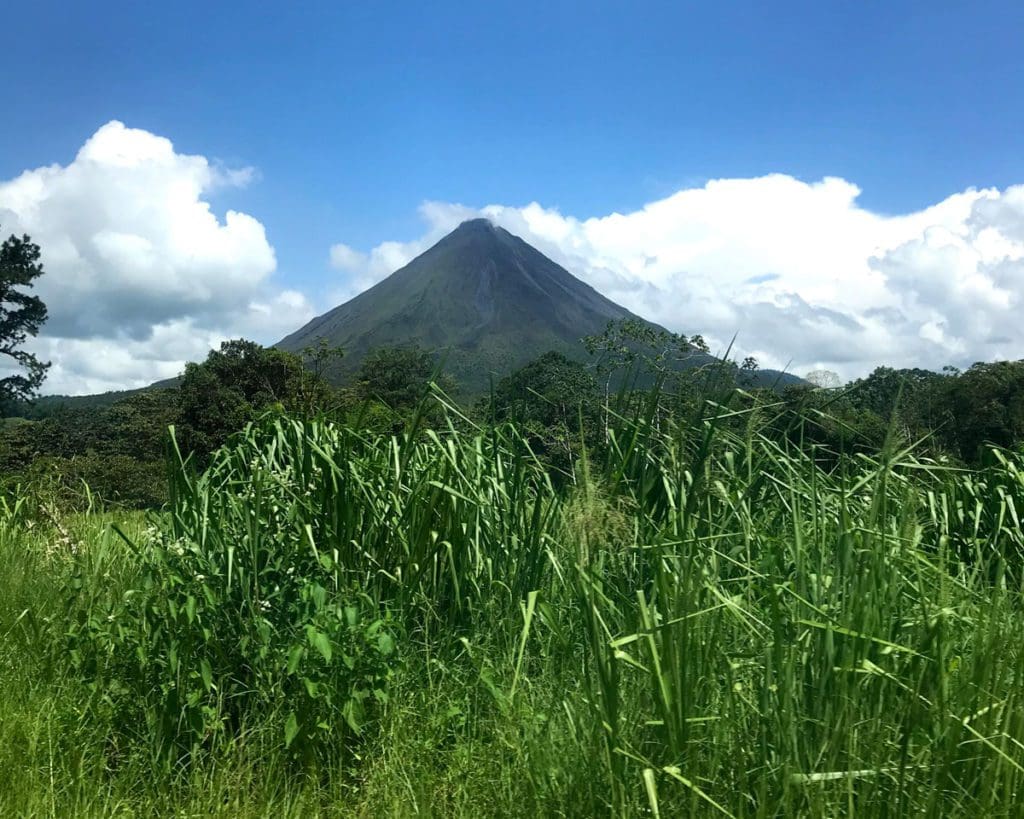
[(395, 376), (21, 316), (557, 404), (222, 394)]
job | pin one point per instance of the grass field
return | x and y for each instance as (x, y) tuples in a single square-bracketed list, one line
[(703, 622)]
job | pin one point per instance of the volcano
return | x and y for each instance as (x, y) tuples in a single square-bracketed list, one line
[(484, 299)]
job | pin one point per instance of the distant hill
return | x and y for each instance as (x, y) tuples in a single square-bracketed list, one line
[(48, 405), (487, 299)]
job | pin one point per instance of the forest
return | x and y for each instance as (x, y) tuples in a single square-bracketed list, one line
[(116, 443)]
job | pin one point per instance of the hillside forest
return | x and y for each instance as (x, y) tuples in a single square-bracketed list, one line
[(115, 443)]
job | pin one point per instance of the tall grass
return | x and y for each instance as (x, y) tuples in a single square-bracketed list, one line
[(704, 621)]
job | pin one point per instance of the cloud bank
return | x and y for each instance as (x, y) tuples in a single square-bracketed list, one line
[(799, 272), (141, 275)]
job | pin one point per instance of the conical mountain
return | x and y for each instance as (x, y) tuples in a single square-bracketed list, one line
[(488, 299)]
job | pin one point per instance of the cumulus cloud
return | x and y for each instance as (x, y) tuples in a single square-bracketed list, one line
[(799, 272), (141, 275), (83, 366)]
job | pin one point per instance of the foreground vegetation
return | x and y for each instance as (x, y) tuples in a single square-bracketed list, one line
[(706, 618)]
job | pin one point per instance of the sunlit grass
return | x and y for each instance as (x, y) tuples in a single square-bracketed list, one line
[(704, 622)]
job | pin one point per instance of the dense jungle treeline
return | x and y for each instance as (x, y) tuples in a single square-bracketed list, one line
[(114, 444)]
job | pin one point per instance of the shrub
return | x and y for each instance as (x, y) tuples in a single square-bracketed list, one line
[(214, 637)]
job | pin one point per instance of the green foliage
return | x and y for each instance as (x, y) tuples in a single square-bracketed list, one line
[(46, 406), (556, 403), (914, 400), (268, 591), (631, 347), (314, 393), (985, 406), (114, 480), (235, 384), (963, 412), (136, 426), (398, 377), (225, 626), (116, 450), (826, 420), (392, 388), (743, 543), (981, 512), (886, 390), (706, 622), (21, 316)]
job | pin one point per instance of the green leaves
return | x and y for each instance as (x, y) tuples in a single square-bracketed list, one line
[(236, 613), (295, 656), (21, 316), (710, 622), (319, 641), (291, 729), (206, 673), (385, 644)]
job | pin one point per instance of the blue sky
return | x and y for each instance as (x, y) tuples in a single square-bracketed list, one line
[(352, 115)]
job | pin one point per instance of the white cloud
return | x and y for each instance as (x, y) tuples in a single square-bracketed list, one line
[(800, 272), (346, 259), (83, 366), (141, 275)]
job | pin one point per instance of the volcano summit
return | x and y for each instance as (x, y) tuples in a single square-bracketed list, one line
[(488, 298)]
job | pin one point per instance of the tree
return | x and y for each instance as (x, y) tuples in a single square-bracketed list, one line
[(392, 387), (319, 358), (137, 425), (556, 403), (914, 399), (396, 376), (985, 404), (21, 316), (828, 419), (117, 450), (746, 374), (626, 343), (315, 393), (823, 379), (233, 385)]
